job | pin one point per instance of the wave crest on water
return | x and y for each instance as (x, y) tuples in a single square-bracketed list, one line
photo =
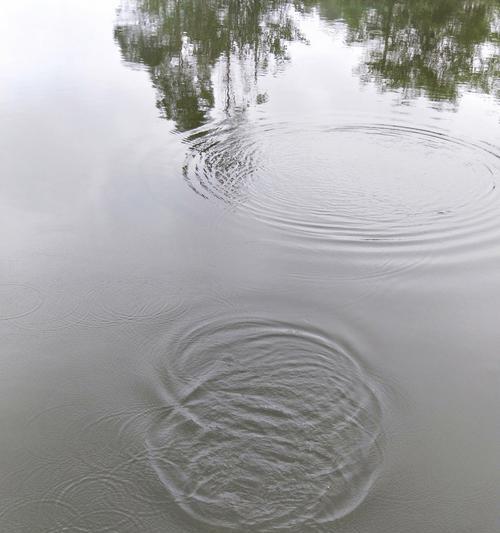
[(272, 426)]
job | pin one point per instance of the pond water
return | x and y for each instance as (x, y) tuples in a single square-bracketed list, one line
[(249, 266)]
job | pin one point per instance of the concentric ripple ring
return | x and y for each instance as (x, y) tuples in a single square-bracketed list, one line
[(351, 182), (272, 426)]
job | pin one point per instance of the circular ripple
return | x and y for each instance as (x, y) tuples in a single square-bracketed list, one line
[(18, 300), (272, 426), (350, 183), (134, 300)]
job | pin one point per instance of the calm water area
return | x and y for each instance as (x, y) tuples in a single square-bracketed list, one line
[(249, 266)]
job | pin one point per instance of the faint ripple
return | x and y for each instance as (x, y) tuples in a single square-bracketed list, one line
[(91, 478), (133, 301), (273, 426), (45, 516), (377, 184), (109, 303), (18, 300)]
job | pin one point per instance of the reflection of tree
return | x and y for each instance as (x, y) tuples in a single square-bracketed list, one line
[(427, 46), (181, 41), (431, 47)]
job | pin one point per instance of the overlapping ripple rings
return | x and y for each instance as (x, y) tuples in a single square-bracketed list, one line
[(352, 182), (272, 426)]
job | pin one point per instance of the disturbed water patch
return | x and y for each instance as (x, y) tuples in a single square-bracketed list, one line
[(272, 426), (371, 183)]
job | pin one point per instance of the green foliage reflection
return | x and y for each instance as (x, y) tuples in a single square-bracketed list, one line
[(426, 48)]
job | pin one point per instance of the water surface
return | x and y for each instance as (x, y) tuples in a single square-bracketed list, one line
[(249, 267)]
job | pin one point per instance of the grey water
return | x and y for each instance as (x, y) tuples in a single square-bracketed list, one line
[(249, 266)]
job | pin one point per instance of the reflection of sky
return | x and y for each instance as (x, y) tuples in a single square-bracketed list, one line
[(62, 106), (69, 111)]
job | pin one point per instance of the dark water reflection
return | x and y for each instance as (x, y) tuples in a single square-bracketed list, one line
[(275, 306)]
